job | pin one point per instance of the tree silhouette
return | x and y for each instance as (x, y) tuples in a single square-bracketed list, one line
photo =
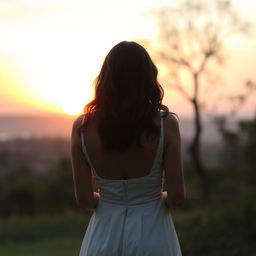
[(193, 39), (240, 99)]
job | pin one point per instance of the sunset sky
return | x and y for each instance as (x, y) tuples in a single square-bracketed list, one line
[(51, 50)]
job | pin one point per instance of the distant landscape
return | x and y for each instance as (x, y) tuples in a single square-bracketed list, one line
[(40, 141), (60, 126), (35, 126)]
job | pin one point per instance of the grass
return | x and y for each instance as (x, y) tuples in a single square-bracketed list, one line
[(63, 246), (51, 235), (211, 231), (59, 235)]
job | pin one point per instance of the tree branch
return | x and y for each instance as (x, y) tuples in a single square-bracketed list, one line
[(179, 61), (182, 91)]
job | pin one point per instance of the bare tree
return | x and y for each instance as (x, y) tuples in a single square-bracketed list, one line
[(192, 40)]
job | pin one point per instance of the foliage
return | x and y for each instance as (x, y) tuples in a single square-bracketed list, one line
[(43, 235), (24, 192), (226, 229), (238, 150)]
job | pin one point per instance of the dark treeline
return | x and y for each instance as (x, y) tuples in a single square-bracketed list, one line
[(26, 192)]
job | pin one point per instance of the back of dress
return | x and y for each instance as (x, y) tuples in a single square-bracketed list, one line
[(131, 218)]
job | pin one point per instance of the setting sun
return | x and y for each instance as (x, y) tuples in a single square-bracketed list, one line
[(75, 105), (57, 60), (58, 74)]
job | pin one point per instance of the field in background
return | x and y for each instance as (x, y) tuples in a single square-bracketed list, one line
[(60, 126), (39, 142)]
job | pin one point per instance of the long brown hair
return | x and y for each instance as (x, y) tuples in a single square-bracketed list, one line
[(127, 97)]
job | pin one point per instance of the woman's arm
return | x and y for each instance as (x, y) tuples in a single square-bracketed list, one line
[(175, 194), (82, 175)]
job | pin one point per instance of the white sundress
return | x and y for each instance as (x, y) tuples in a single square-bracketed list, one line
[(131, 218)]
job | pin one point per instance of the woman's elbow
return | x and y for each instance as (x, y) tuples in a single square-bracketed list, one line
[(84, 204), (179, 199)]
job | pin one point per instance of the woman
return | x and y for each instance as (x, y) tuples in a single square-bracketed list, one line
[(127, 143)]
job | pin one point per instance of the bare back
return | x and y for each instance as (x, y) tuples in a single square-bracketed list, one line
[(134, 163)]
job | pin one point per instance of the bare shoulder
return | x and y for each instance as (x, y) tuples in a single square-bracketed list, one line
[(171, 120), (171, 125), (77, 122), (75, 137)]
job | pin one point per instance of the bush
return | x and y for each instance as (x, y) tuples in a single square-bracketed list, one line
[(24, 192), (228, 229)]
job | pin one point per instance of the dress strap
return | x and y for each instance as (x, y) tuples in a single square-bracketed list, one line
[(159, 153), (83, 145), (160, 149), (161, 131)]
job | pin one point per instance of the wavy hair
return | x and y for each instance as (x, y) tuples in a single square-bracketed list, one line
[(127, 98)]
